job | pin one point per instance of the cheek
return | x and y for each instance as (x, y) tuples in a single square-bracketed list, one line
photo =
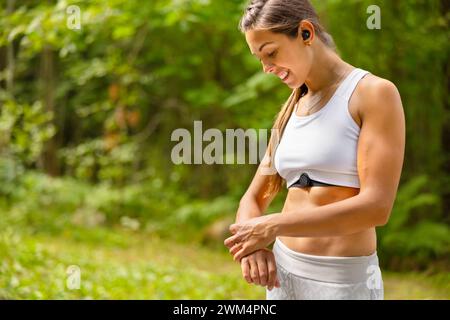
[(301, 67)]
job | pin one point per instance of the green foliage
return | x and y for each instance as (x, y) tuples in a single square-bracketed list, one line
[(108, 96), (194, 217), (45, 204), (415, 62), (42, 204), (93, 161), (412, 233), (24, 129), (10, 170)]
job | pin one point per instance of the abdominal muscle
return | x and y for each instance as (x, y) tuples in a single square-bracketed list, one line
[(358, 244)]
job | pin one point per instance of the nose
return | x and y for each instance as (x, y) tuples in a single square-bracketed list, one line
[(267, 68)]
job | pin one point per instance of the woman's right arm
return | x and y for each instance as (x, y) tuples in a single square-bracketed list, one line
[(252, 203), (258, 267)]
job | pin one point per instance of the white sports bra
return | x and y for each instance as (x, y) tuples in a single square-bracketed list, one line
[(322, 146)]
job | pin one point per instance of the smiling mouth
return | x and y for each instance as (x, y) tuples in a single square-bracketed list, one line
[(283, 75)]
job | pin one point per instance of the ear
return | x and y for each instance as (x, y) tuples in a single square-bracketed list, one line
[(306, 25)]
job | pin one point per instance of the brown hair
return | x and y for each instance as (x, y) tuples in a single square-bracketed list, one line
[(282, 16)]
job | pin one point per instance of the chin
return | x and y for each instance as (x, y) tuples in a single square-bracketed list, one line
[(293, 85)]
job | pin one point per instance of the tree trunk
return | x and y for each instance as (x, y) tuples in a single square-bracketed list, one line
[(445, 6), (49, 160), (10, 55)]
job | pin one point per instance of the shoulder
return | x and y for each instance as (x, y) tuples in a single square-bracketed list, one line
[(377, 95)]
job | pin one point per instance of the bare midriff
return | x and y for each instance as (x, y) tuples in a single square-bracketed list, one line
[(358, 244)]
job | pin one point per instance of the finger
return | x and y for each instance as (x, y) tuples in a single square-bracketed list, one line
[(229, 242), (254, 271), (235, 248), (233, 228), (272, 273), (262, 269), (245, 267), (276, 285), (244, 251)]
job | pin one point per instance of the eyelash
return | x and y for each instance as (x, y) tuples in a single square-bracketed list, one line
[(271, 55)]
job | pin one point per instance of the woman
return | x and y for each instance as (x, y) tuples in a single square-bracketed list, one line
[(341, 147)]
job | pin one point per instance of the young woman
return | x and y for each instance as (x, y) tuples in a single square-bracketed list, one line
[(340, 151)]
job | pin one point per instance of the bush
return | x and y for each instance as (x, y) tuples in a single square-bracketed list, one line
[(412, 238)]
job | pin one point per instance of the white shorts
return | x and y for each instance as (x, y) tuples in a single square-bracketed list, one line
[(310, 277)]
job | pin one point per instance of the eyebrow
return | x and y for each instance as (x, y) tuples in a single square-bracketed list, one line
[(262, 46)]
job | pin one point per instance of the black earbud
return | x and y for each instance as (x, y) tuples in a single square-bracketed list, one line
[(305, 34)]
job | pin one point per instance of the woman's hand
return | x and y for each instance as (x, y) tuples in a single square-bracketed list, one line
[(251, 235), (260, 268)]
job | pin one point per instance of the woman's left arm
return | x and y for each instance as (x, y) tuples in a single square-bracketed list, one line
[(380, 157)]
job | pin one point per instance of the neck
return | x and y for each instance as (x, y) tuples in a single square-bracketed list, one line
[(326, 69)]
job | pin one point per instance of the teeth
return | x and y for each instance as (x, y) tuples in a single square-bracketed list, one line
[(283, 75)]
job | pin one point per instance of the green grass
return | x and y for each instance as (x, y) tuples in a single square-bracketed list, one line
[(120, 264)]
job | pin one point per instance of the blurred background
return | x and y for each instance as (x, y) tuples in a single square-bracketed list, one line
[(91, 205)]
